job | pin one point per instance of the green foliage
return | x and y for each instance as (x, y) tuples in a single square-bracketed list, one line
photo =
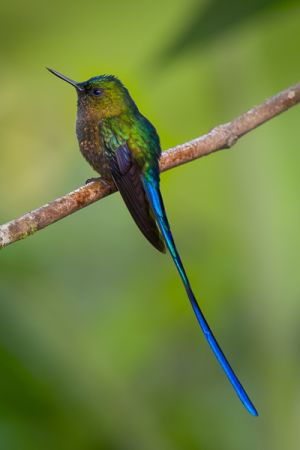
[(211, 20), (99, 347)]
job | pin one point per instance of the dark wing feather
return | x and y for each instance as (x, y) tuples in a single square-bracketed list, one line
[(127, 176)]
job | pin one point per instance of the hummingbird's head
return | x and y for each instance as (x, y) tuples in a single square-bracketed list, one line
[(101, 97)]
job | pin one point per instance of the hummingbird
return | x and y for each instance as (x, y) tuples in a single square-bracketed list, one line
[(124, 148)]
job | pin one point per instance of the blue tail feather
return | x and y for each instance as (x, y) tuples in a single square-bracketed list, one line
[(153, 193)]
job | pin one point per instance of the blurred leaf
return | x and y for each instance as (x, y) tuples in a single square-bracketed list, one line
[(210, 20)]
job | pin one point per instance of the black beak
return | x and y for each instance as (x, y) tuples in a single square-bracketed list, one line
[(68, 80)]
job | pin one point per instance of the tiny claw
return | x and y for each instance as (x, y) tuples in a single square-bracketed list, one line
[(90, 180)]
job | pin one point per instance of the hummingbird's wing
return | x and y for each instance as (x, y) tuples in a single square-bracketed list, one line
[(127, 177)]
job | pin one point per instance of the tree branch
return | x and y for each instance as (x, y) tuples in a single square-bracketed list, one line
[(221, 137)]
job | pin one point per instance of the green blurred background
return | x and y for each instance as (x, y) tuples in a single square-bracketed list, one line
[(99, 348)]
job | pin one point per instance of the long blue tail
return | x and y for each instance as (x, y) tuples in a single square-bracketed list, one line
[(155, 199)]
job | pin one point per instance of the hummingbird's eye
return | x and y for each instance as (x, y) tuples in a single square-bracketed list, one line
[(97, 92)]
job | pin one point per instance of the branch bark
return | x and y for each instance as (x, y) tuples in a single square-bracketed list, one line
[(220, 137)]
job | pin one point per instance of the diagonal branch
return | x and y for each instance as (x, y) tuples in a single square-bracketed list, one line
[(221, 137)]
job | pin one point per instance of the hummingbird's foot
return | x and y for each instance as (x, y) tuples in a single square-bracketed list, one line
[(101, 180), (90, 180)]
